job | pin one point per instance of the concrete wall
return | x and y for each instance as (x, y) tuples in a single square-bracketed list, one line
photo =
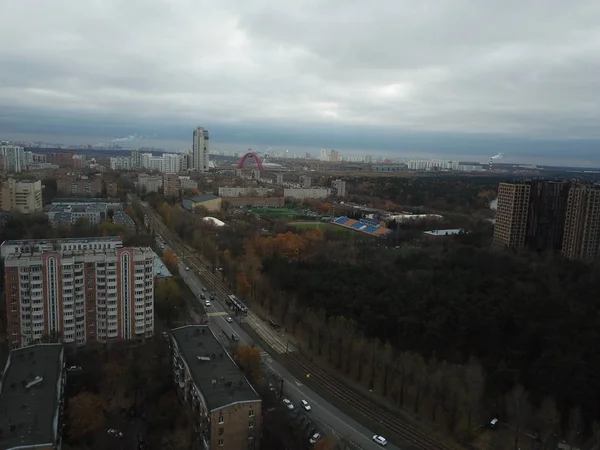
[(254, 201)]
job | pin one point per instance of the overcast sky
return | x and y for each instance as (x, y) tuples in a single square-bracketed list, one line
[(441, 77)]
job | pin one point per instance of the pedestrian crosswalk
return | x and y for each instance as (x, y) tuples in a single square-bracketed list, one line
[(217, 314), (264, 354)]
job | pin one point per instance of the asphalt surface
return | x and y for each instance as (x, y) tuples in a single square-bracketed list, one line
[(328, 419)]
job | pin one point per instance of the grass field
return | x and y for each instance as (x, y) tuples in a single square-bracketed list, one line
[(283, 213)]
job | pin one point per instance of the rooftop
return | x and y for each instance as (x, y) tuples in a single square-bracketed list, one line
[(28, 415), (218, 378), (84, 240), (203, 198), (85, 200), (451, 232), (160, 269), (25, 255)]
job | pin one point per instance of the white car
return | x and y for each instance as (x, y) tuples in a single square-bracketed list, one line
[(380, 440), (187, 269), (207, 303), (288, 404), (305, 405), (315, 437), (115, 433), (229, 320)]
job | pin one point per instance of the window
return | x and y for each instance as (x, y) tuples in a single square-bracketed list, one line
[(221, 431), (251, 424), (220, 442), (251, 413), (221, 418)]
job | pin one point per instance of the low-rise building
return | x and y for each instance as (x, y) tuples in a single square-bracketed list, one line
[(31, 395), (244, 192), (226, 408), (66, 215), (23, 196), (186, 183), (301, 193), (210, 202)]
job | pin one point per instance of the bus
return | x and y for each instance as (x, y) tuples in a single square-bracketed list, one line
[(236, 305)]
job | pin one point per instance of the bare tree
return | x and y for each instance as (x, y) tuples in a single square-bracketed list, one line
[(519, 409), (575, 425), (474, 382), (547, 419), (420, 379)]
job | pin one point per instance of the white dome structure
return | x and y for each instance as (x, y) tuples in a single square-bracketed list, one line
[(214, 221)]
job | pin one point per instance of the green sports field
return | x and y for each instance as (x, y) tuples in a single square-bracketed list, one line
[(283, 213)]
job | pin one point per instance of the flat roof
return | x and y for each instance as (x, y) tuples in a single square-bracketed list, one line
[(82, 240), (212, 377), (31, 412), (85, 200), (450, 232)]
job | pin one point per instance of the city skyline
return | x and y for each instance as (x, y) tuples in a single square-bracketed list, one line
[(434, 81)]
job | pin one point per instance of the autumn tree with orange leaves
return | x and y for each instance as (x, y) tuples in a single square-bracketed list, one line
[(170, 259), (248, 358), (85, 414)]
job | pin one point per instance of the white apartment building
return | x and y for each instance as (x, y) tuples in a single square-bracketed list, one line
[(13, 156), (171, 163), (200, 150), (301, 194), (80, 296), (23, 196), (121, 163), (150, 183), (244, 192), (187, 183), (339, 188)]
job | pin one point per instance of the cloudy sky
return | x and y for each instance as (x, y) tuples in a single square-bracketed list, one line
[(452, 78)]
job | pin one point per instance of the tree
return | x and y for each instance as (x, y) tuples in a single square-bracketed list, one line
[(170, 259), (547, 419), (519, 409), (243, 285), (168, 299), (474, 384), (325, 444), (86, 414), (248, 358)]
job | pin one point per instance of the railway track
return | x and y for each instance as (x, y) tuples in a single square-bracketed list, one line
[(412, 435), (369, 409)]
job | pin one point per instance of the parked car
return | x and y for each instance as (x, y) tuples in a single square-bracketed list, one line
[(115, 433), (305, 405), (380, 440), (314, 438), (288, 404), (493, 423)]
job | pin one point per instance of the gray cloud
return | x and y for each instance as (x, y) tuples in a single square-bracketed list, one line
[(516, 69)]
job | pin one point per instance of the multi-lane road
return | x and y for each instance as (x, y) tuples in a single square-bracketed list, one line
[(328, 418)]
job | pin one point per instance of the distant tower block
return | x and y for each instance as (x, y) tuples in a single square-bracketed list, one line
[(238, 173), (279, 179), (256, 174), (305, 181)]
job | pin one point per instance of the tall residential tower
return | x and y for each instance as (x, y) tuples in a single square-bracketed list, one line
[(200, 150)]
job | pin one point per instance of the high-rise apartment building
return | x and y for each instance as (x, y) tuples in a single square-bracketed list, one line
[(338, 188), (305, 181), (200, 150), (76, 186), (335, 156), (582, 224), (511, 215), (23, 196), (13, 157), (546, 213), (79, 296), (171, 185)]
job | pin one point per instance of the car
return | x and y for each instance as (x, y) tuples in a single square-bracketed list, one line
[(204, 289), (74, 369), (212, 296), (229, 320), (115, 433), (305, 405), (493, 424), (207, 303), (314, 438), (288, 404), (187, 269), (380, 440), (203, 297)]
